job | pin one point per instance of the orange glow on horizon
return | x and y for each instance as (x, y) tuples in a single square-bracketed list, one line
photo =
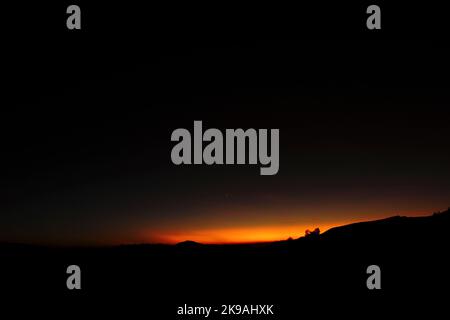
[(247, 233), (241, 234)]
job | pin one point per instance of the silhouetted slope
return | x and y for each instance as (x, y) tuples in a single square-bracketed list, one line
[(188, 244), (393, 229)]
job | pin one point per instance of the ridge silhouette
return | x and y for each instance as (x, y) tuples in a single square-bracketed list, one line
[(390, 227)]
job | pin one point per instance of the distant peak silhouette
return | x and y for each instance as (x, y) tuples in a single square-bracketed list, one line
[(188, 244)]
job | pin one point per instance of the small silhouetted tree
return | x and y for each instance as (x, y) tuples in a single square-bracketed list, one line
[(312, 234)]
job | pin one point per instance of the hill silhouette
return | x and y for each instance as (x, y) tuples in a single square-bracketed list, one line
[(393, 229), (188, 243)]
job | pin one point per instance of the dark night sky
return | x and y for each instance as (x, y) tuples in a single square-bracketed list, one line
[(87, 118)]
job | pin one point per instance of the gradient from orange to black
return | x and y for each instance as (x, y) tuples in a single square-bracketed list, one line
[(87, 119)]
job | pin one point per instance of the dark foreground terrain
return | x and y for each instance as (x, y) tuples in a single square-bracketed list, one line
[(318, 276)]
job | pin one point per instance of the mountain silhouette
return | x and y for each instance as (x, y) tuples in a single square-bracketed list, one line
[(392, 229), (397, 228), (188, 244)]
